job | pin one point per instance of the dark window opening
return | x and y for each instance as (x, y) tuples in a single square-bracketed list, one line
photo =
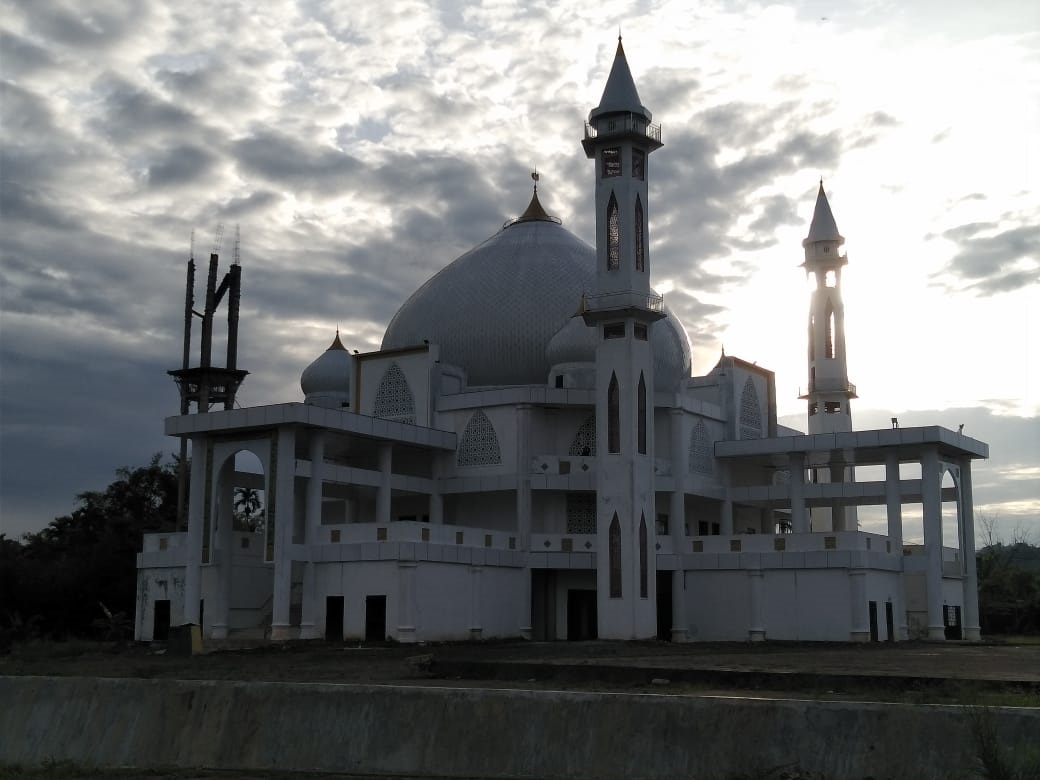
[(716, 529), (613, 235), (639, 331), (614, 330), (613, 416), (333, 618), (614, 551), (161, 621), (702, 527), (559, 380), (643, 585), (611, 162), (640, 249), (641, 413), (831, 407), (375, 618), (638, 164)]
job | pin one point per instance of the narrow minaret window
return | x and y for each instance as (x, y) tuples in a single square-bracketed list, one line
[(641, 411), (643, 584), (640, 248), (613, 416), (613, 235), (829, 333), (611, 162), (639, 164), (614, 552)]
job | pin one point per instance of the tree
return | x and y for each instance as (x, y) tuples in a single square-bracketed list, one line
[(248, 510), (53, 581), (1009, 581)]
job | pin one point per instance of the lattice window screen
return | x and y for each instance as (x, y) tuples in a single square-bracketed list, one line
[(394, 400), (479, 445), (581, 513), (584, 442), (700, 450), (750, 412)]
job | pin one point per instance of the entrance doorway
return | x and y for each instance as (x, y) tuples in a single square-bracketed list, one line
[(664, 605), (581, 615), (890, 622), (161, 621), (334, 618), (873, 621), (952, 621), (375, 618)]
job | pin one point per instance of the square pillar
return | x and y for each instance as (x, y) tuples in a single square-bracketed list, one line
[(384, 492), (799, 515), (196, 518), (284, 505), (893, 502), (312, 534), (970, 580), (931, 499)]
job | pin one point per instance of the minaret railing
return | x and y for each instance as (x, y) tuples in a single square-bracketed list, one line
[(623, 124)]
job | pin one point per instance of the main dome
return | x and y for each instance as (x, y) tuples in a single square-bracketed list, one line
[(494, 310)]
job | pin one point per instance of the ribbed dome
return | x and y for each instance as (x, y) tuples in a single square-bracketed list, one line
[(575, 342), (495, 309), (326, 381)]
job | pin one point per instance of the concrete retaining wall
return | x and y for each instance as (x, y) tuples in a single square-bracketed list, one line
[(480, 733)]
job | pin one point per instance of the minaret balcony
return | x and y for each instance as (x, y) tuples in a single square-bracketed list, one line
[(619, 126), (829, 386), (628, 303)]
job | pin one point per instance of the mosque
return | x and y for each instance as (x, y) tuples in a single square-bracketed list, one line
[(528, 455)]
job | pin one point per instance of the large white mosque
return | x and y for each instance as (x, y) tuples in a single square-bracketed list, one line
[(528, 455)]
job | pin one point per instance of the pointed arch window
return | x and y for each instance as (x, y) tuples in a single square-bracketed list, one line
[(750, 412), (613, 416), (644, 585), (700, 450), (613, 235), (479, 446), (394, 400), (584, 441), (639, 238), (614, 553), (641, 413)]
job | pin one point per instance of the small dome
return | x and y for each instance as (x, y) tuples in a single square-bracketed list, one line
[(575, 342), (327, 381)]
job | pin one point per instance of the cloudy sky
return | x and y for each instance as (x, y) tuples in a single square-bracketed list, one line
[(361, 147)]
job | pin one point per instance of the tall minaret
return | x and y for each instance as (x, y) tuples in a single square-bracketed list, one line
[(622, 308), (830, 393)]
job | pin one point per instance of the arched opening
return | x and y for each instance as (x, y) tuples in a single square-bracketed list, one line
[(951, 537), (829, 334), (643, 577), (613, 416), (641, 414), (613, 235), (614, 553), (242, 545), (639, 240)]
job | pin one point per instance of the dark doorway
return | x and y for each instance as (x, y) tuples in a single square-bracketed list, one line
[(161, 621), (375, 618), (952, 621), (890, 622), (543, 605), (581, 615), (334, 618), (873, 621), (664, 605)]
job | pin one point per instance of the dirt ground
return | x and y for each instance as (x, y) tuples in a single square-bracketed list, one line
[(812, 668)]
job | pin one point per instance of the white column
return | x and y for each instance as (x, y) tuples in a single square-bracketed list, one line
[(858, 600), (931, 499), (677, 524), (406, 595), (970, 581), (196, 510), (799, 515), (523, 508), (756, 583), (284, 503), (312, 535), (436, 499), (222, 551), (893, 502), (383, 494)]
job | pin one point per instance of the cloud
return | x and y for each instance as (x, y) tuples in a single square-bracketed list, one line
[(993, 260)]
